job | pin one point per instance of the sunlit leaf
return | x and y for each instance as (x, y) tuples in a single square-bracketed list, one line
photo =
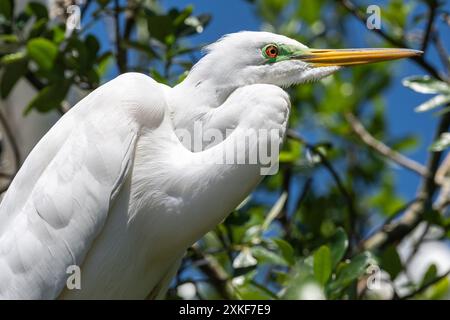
[(338, 246), (322, 264), (13, 57), (433, 103), (275, 211), (351, 271), (264, 255), (286, 250), (50, 97), (43, 52), (426, 84), (244, 259), (440, 290), (442, 143), (12, 72)]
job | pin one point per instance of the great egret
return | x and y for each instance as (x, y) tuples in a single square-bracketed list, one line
[(111, 189)]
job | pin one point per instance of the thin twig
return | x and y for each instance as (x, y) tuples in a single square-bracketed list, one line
[(35, 82), (442, 52), (397, 230), (120, 54), (416, 245), (305, 191), (382, 148), (282, 217), (12, 141), (217, 278), (38, 85), (442, 177), (347, 4), (425, 286), (5, 175), (429, 27), (340, 185), (85, 8)]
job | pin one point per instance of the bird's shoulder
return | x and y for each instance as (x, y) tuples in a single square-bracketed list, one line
[(142, 97), (60, 198)]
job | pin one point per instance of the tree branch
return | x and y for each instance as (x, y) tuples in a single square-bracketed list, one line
[(85, 8), (420, 60), (429, 27), (397, 230), (442, 52), (326, 163), (120, 53), (443, 178), (383, 149), (15, 150), (217, 277), (425, 286)]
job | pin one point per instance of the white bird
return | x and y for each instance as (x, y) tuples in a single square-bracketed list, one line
[(112, 189)]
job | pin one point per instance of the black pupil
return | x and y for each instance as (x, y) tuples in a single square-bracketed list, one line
[(273, 51)]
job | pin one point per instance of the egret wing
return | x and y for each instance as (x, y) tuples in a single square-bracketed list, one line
[(60, 198)]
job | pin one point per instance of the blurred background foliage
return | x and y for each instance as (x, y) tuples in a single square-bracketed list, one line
[(332, 220)]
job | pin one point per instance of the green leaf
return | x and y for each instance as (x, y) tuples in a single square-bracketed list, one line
[(301, 282), (286, 250), (275, 211), (38, 28), (58, 35), (12, 72), (77, 55), (193, 25), (142, 47), (408, 142), (9, 38), (43, 52), (160, 27), (92, 46), (440, 290), (429, 275), (322, 264), (433, 103), (13, 57), (6, 8), (183, 15), (103, 63), (50, 97), (338, 246), (442, 143), (254, 291), (434, 217), (351, 271), (264, 255), (38, 9), (390, 261), (426, 84)]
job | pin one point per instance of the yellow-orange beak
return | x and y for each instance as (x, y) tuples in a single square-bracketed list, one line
[(350, 57)]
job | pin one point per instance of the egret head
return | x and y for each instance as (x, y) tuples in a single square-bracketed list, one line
[(262, 57)]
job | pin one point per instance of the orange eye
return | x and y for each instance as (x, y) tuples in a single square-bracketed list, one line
[(271, 51)]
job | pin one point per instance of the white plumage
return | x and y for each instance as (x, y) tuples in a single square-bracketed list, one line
[(111, 188)]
